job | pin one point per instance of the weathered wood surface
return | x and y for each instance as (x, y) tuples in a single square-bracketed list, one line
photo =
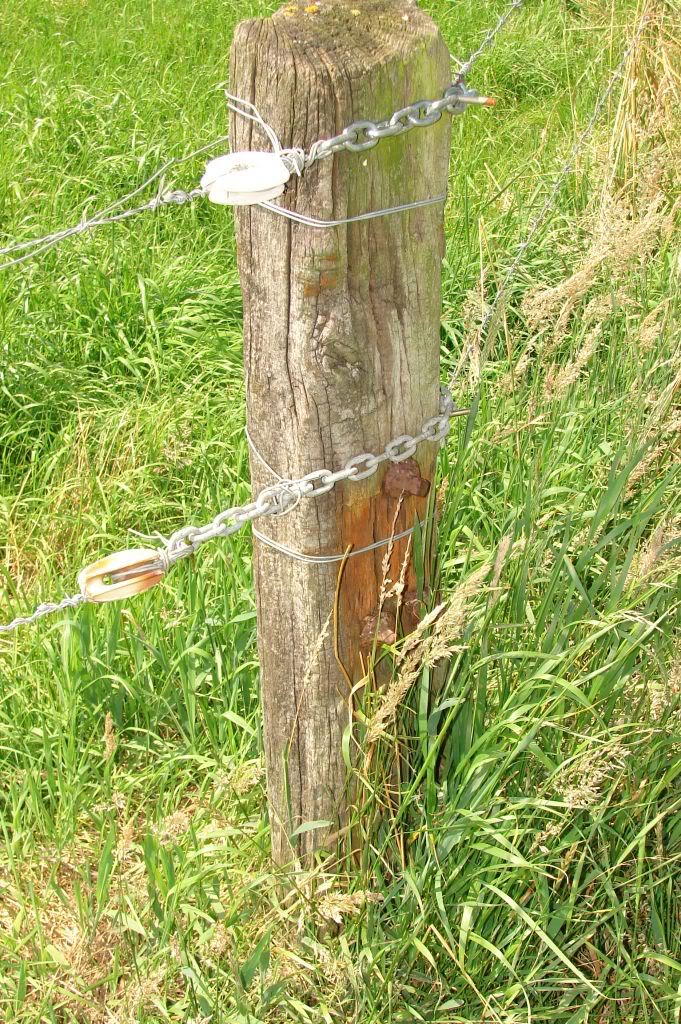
[(341, 336)]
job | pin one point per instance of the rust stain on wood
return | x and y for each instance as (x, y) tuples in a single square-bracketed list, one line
[(379, 629), (413, 610), (369, 515), (325, 280), (405, 478)]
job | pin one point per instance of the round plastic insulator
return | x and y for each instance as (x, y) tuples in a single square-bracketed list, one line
[(242, 179)]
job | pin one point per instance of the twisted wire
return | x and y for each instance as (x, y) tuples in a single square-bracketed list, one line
[(357, 137), (47, 608), (488, 40), (275, 500), (175, 198)]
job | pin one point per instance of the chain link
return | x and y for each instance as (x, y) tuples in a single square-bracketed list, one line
[(284, 495), (362, 135)]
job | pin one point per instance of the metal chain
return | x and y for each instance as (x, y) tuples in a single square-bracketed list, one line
[(281, 496), (362, 135), (275, 500)]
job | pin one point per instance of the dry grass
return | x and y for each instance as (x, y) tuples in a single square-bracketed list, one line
[(656, 553), (582, 781), (336, 906), (435, 638), (559, 380), (665, 445), (526, 769)]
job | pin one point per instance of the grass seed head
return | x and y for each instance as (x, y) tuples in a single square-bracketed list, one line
[(335, 906), (110, 743), (247, 775), (558, 381), (433, 639), (580, 784)]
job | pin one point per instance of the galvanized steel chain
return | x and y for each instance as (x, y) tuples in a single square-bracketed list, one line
[(130, 572), (283, 495), (362, 135)]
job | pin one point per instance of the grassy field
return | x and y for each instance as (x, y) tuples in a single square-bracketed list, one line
[(527, 868)]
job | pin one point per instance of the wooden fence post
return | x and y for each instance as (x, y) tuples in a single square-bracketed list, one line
[(341, 337)]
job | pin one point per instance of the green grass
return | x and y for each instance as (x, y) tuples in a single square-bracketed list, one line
[(522, 851)]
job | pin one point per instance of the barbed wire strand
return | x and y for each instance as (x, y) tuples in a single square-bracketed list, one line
[(47, 608), (488, 41), (37, 246), (175, 198)]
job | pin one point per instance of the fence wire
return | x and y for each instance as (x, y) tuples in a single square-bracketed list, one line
[(284, 494), (356, 137)]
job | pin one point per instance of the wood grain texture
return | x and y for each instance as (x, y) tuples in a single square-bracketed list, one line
[(341, 340)]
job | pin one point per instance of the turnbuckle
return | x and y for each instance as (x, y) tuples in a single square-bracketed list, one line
[(121, 575)]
